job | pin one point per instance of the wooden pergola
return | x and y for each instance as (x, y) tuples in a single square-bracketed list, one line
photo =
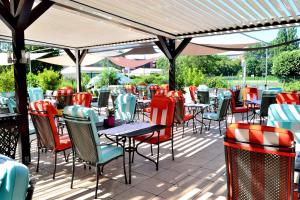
[(80, 25)]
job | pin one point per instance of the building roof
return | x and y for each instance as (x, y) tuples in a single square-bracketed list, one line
[(88, 23)]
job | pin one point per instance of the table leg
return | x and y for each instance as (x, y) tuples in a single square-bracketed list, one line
[(129, 161)]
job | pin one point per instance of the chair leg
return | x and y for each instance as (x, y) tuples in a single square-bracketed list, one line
[(226, 122), (151, 149), (172, 146), (38, 161), (231, 117), (201, 126), (209, 124), (176, 126), (220, 127), (157, 155), (97, 182), (183, 130), (124, 168), (73, 170), (133, 143), (55, 160)]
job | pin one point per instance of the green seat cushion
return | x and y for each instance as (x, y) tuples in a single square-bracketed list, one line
[(212, 116), (109, 152)]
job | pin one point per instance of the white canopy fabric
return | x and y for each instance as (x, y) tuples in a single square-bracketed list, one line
[(145, 71), (33, 56), (86, 24), (70, 72), (90, 58)]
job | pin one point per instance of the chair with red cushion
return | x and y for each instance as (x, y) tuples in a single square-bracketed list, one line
[(165, 88), (193, 90), (180, 115), (64, 95), (42, 115), (83, 99), (287, 98), (235, 109), (162, 112), (152, 90), (259, 162), (130, 89), (250, 94)]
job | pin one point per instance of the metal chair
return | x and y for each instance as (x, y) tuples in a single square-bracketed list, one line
[(220, 115), (162, 112), (42, 115), (235, 109), (268, 98), (193, 90), (103, 98), (81, 125), (83, 99), (35, 94), (259, 162)]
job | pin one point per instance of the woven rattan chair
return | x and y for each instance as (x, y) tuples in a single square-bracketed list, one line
[(259, 162), (42, 115), (81, 125)]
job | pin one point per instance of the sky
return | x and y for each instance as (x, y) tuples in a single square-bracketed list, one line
[(238, 38)]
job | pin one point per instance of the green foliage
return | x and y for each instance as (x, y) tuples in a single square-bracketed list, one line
[(85, 79), (287, 64), (7, 81), (32, 80), (291, 86), (187, 76), (107, 77), (216, 82), (150, 79), (284, 35), (68, 82), (49, 79)]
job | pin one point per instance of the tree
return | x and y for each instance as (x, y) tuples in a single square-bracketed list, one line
[(7, 80), (48, 79), (285, 35), (287, 64)]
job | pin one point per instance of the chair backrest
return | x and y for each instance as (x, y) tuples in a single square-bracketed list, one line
[(250, 94), (7, 94), (125, 107), (202, 88), (103, 97), (232, 100), (268, 98), (7, 105), (193, 90), (49, 93), (203, 97), (142, 90), (14, 179), (81, 124), (130, 89), (42, 114), (287, 98), (65, 94), (153, 89), (162, 112), (223, 104), (179, 112), (35, 94), (276, 89), (259, 162), (165, 88), (83, 99)]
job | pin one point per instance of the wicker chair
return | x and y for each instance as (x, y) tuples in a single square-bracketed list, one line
[(259, 162), (42, 115), (81, 125)]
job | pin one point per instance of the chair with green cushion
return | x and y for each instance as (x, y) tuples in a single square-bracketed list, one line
[(220, 115), (35, 94), (14, 180), (81, 126), (268, 98), (125, 107)]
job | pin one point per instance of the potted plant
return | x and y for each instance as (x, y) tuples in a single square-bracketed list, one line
[(111, 117)]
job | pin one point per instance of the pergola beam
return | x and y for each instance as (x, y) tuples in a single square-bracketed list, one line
[(16, 15), (77, 58), (168, 47)]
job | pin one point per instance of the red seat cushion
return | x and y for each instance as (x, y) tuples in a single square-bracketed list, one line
[(188, 117), (240, 110), (64, 143), (154, 138), (147, 110)]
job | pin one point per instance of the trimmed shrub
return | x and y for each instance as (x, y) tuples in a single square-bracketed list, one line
[(287, 64), (49, 79), (7, 80)]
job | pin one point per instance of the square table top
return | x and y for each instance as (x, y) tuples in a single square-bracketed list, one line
[(132, 129)]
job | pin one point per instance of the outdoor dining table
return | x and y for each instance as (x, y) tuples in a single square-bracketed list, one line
[(197, 108), (129, 131)]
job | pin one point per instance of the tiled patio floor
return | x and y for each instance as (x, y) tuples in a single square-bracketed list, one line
[(198, 172)]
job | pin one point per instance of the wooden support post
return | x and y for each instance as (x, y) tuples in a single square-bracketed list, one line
[(18, 15), (168, 47), (77, 58)]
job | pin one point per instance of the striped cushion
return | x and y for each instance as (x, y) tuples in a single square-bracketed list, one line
[(43, 105), (86, 113), (35, 94), (9, 103), (7, 94), (82, 98), (125, 104), (262, 135), (65, 91), (193, 90), (287, 98)]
